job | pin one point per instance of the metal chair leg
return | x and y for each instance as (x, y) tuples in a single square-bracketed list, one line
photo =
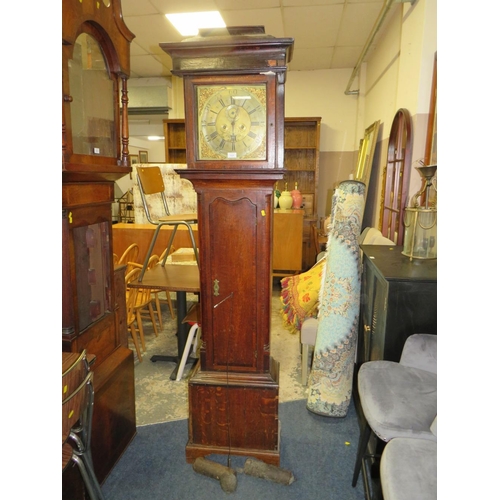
[(364, 438), (193, 243), (93, 488), (169, 245), (149, 252)]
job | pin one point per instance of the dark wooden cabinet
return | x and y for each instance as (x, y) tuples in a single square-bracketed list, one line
[(95, 69), (398, 299)]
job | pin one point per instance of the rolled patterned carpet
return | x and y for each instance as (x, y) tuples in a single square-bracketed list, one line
[(330, 380)]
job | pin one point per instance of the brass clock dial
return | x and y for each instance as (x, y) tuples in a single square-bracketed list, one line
[(231, 122)]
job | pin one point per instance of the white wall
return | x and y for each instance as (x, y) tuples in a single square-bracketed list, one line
[(321, 93), (399, 75)]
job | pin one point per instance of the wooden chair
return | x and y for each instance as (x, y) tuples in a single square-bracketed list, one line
[(150, 182), (131, 300), (154, 261), (157, 293), (143, 301), (77, 409), (131, 254)]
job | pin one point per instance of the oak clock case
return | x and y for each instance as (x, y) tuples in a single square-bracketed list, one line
[(95, 69), (234, 109)]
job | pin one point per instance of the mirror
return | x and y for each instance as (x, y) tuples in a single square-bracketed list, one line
[(396, 178)]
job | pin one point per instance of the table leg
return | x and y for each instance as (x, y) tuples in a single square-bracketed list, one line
[(182, 334)]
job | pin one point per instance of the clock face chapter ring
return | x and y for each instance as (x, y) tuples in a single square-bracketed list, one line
[(232, 121)]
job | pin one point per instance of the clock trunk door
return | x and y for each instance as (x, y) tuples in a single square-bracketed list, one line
[(236, 227)]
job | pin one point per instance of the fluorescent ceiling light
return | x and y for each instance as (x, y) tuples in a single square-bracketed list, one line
[(189, 23), (155, 138)]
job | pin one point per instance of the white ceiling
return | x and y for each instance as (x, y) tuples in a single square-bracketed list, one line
[(329, 34)]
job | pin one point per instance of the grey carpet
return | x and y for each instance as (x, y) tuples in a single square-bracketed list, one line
[(320, 451)]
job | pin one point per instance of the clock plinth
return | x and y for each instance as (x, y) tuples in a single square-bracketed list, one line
[(236, 414), (234, 106)]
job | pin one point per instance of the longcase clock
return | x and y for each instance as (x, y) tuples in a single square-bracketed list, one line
[(95, 69), (234, 108)]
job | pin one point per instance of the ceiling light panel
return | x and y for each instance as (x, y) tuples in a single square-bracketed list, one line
[(169, 6), (188, 23), (245, 4)]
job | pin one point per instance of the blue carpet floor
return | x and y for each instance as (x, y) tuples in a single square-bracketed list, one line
[(320, 451)]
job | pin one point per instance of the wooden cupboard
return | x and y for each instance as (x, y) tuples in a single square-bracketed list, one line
[(287, 242)]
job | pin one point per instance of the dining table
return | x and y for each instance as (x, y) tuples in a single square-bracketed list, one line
[(181, 279)]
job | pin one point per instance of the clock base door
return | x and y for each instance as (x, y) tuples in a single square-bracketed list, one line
[(234, 414)]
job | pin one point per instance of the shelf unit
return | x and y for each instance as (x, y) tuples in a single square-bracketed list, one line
[(302, 157), (174, 131), (301, 165), (302, 137)]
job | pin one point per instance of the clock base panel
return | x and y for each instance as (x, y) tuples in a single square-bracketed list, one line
[(233, 416)]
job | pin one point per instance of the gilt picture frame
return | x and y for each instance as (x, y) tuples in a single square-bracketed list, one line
[(431, 140), (366, 153)]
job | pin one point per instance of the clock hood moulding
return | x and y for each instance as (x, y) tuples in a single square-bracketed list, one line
[(232, 49)]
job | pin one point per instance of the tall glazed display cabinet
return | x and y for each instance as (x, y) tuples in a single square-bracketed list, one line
[(95, 68), (234, 90)]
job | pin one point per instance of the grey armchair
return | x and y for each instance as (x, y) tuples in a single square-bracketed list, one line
[(408, 469), (398, 400)]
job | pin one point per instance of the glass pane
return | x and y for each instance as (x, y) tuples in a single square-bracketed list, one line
[(92, 109), (92, 272)]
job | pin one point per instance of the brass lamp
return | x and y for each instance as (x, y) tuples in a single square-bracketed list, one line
[(420, 236)]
